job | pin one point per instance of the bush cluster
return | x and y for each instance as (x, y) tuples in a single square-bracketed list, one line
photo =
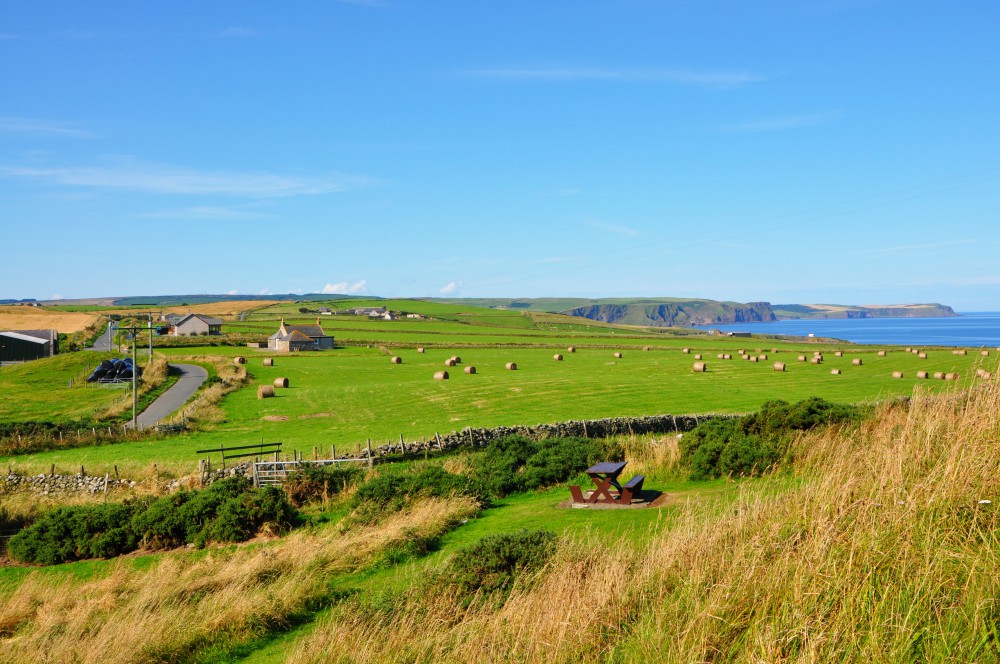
[(756, 443), (516, 463), (312, 482), (496, 560), (393, 489), (227, 511)]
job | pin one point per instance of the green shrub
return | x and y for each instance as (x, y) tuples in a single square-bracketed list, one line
[(74, 533), (313, 482), (227, 511), (756, 443), (496, 560), (393, 489)]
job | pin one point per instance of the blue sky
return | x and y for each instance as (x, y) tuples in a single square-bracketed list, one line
[(838, 151)]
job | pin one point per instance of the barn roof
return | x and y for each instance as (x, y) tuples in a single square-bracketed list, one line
[(24, 337)]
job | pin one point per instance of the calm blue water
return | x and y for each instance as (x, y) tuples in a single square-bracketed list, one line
[(967, 329)]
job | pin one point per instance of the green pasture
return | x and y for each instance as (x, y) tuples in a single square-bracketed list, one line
[(346, 396), (54, 389)]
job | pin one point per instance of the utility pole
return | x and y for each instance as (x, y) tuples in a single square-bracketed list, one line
[(150, 338), (135, 371)]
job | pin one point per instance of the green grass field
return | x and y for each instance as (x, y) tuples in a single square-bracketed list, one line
[(346, 396)]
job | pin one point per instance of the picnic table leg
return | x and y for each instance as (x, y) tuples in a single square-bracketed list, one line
[(577, 494), (603, 489)]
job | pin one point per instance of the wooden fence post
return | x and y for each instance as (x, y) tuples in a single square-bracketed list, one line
[(371, 462), (315, 453), (438, 437)]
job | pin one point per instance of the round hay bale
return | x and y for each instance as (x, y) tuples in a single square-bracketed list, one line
[(802, 358), (571, 349), (457, 359), (984, 353), (774, 350), (922, 356), (450, 362), (727, 356), (281, 382), (441, 375), (741, 351), (951, 376), (960, 351), (753, 358), (759, 351), (980, 373), (763, 358), (557, 357), (915, 351), (420, 349), (856, 361), (265, 391), (908, 349), (469, 370), (816, 360), (897, 374), (922, 375), (685, 350), (396, 359), (268, 361), (511, 366), (779, 366), (719, 356), (698, 356), (938, 375), (881, 353), (839, 353), (239, 359), (618, 355), (835, 372), (699, 367), (646, 348)]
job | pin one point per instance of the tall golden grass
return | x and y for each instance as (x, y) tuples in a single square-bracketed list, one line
[(187, 602), (876, 549)]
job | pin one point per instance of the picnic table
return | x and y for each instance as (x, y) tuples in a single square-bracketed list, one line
[(604, 475)]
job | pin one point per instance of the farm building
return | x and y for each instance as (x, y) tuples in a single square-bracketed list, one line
[(388, 316), (369, 311), (24, 345), (300, 337), (194, 324)]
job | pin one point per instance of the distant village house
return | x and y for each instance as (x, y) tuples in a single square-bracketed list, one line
[(300, 337), (195, 324), (369, 311)]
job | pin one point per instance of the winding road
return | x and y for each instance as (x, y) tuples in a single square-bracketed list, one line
[(192, 376)]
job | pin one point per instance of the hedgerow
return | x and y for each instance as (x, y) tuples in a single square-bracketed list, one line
[(227, 511)]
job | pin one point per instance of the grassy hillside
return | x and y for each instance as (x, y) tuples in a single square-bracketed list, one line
[(874, 545)]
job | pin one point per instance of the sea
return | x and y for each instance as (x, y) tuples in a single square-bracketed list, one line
[(980, 328)]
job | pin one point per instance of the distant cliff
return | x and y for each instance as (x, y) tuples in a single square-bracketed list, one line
[(677, 314), (682, 313), (934, 310)]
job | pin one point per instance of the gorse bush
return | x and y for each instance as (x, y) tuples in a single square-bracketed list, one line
[(496, 560), (392, 489), (756, 443), (227, 511), (312, 482), (516, 463)]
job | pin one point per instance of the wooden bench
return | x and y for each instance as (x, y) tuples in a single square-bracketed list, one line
[(633, 487)]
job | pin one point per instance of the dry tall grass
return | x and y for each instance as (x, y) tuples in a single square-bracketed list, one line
[(186, 602), (877, 550)]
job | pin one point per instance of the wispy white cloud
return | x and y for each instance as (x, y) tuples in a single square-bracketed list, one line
[(344, 288), (915, 248), (232, 292), (451, 287), (204, 212), (701, 78), (565, 192), (56, 296), (166, 179), (786, 122), (41, 127), (264, 291), (239, 32), (613, 228)]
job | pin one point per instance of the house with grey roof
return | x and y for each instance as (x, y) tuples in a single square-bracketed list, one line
[(300, 337), (195, 324)]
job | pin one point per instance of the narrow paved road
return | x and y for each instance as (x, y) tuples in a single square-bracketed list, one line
[(192, 376), (104, 341)]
